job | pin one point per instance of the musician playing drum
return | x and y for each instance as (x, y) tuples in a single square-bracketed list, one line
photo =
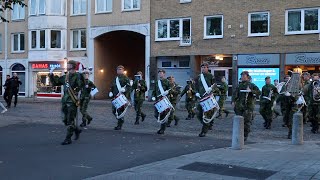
[(120, 85), (243, 100), (268, 96), (204, 88), (161, 89)]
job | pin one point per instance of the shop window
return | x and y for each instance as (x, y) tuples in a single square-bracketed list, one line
[(302, 21), (166, 64), (55, 39), (44, 85), (259, 24), (173, 29), (79, 39), (38, 39), (130, 5), (79, 7), (213, 27), (103, 6), (17, 12), (17, 42), (37, 7)]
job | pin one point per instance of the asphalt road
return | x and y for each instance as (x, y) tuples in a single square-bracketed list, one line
[(33, 151)]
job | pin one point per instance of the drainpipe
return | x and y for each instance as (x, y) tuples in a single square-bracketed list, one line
[(6, 44)]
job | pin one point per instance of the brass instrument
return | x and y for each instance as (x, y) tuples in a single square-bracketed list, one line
[(316, 90), (293, 86), (189, 92)]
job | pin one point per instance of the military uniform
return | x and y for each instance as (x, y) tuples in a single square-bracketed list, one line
[(245, 102), (124, 83), (189, 90), (85, 98), (139, 97), (306, 97), (223, 96), (266, 104), (72, 83), (313, 94), (157, 95), (173, 98)]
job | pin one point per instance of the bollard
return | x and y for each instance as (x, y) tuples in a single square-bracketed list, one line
[(297, 129), (238, 133)]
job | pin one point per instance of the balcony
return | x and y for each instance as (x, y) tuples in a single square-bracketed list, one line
[(185, 41)]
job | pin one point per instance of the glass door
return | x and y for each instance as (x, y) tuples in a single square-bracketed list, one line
[(219, 72)]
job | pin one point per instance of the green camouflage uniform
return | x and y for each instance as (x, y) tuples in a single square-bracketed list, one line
[(84, 101), (304, 110), (173, 98), (157, 94), (313, 109), (266, 105), (201, 90), (245, 102), (223, 96), (124, 81), (74, 81), (189, 90), (139, 97)]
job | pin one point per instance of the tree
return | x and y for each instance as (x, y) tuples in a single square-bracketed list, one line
[(8, 4)]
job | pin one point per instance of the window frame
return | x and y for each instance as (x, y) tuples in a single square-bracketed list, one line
[(19, 8), (105, 11), (79, 39), (302, 13), (168, 38), (1, 43), (79, 6), (185, 1), (61, 39), (37, 8), (205, 36), (19, 42), (131, 9), (38, 39), (250, 34)]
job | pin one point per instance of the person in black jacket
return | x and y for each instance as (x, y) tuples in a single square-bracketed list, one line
[(7, 90), (15, 83)]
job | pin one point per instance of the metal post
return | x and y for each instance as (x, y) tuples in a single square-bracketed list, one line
[(238, 133), (297, 129)]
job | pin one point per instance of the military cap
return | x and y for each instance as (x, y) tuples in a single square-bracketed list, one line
[(315, 74), (139, 72), (205, 64), (245, 72), (120, 67), (161, 70), (268, 77)]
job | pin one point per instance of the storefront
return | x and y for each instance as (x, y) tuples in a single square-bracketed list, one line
[(259, 66), (40, 78), (303, 62)]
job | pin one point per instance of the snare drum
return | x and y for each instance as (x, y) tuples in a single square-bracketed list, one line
[(163, 104), (208, 103), (119, 101)]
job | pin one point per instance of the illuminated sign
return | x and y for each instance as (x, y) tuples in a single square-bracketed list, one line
[(46, 65), (258, 75)]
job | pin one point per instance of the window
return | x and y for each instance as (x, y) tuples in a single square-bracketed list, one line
[(129, 5), (213, 27), (38, 39), (302, 21), (17, 42), (79, 7), (173, 29), (0, 43), (55, 39), (55, 7), (185, 1), (166, 64), (103, 6), (37, 7), (79, 39), (184, 63), (259, 24), (17, 12)]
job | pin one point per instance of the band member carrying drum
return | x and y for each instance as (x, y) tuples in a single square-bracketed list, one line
[(190, 92), (173, 98), (243, 100), (163, 106), (120, 92), (139, 87), (208, 106)]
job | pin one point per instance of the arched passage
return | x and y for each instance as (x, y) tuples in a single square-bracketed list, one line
[(115, 48)]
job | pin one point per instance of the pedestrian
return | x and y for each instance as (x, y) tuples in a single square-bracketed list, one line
[(190, 92), (139, 87), (7, 91), (161, 90), (15, 83), (85, 98), (173, 98), (268, 95), (120, 85), (223, 96), (243, 100), (314, 102), (72, 82)]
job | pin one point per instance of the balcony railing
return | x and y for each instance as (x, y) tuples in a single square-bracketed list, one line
[(185, 41)]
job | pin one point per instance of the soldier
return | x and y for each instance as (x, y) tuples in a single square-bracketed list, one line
[(243, 100), (121, 84), (314, 103), (306, 84), (223, 96), (268, 96), (139, 87), (85, 98), (161, 89), (189, 90), (283, 103), (173, 98), (204, 86), (72, 83)]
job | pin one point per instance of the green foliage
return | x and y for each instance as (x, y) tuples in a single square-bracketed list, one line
[(8, 4)]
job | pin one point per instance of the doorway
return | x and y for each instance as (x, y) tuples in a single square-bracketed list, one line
[(219, 72)]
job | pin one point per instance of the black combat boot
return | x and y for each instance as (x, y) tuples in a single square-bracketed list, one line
[(203, 131), (176, 120), (289, 135), (189, 117), (119, 125), (83, 124), (143, 117), (162, 128), (66, 141), (227, 113), (77, 133), (137, 121), (89, 120)]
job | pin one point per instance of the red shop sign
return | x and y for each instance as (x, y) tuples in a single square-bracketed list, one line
[(40, 66)]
